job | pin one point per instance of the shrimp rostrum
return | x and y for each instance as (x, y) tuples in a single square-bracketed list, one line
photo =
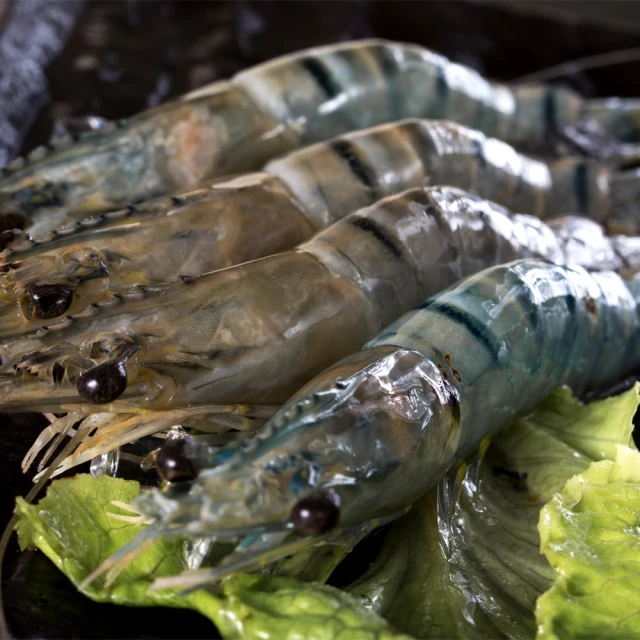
[(278, 106), (255, 333), (370, 435), (263, 213)]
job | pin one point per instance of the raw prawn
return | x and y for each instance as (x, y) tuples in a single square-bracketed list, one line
[(262, 213), (255, 333), (286, 103), (372, 434)]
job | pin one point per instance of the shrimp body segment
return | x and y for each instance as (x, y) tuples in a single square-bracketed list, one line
[(260, 214), (377, 430), (291, 101), (256, 332)]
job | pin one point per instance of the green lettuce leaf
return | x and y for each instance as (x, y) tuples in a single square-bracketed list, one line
[(465, 562), (274, 607), (590, 533), (72, 527)]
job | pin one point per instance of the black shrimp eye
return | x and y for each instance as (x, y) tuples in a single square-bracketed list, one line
[(103, 383), (315, 514), (175, 461), (45, 301)]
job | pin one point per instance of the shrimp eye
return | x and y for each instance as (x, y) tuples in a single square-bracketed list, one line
[(103, 383), (175, 460), (315, 514), (45, 301)]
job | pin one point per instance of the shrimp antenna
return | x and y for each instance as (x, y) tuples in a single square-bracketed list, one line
[(8, 531), (611, 58)]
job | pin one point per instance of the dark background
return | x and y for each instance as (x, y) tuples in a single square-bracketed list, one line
[(124, 56)]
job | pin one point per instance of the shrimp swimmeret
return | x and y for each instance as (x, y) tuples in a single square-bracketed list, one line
[(278, 106), (254, 334), (365, 439)]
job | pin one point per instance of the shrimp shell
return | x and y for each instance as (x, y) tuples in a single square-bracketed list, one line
[(291, 101)]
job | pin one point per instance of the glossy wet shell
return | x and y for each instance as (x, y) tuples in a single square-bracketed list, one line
[(281, 105), (383, 425), (262, 213), (256, 332), (508, 336)]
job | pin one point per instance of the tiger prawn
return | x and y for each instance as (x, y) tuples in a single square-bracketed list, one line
[(289, 102), (263, 213), (253, 334), (372, 434)]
